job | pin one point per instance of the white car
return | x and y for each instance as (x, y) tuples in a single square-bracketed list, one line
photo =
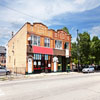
[(88, 69)]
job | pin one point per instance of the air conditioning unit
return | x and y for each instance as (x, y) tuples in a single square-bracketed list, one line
[(29, 39)]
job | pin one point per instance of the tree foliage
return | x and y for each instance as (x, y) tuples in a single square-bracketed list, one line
[(65, 29), (88, 51)]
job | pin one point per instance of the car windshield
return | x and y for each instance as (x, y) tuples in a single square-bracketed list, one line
[(91, 67)]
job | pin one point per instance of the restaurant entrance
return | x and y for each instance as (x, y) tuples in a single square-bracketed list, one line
[(42, 63)]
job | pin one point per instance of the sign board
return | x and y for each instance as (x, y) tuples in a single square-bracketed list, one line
[(55, 59), (49, 65), (67, 53)]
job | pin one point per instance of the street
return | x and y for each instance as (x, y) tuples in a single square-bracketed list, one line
[(61, 87)]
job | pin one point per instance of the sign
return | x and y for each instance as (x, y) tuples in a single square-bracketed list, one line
[(49, 65), (34, 62), (39, 63), (67, 53), (55, 59)]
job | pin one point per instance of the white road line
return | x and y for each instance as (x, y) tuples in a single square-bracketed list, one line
[(1, 93)]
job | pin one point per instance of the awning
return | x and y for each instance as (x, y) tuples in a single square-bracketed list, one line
[(42, 50)]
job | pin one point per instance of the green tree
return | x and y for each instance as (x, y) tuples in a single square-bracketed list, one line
[(88, 51), (74, 52), (65, 29), (95, 50), (84, 47)]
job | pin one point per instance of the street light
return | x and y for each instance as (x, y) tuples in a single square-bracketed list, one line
[(77, 50)]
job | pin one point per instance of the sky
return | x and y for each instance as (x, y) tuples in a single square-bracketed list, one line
[(83, 15)]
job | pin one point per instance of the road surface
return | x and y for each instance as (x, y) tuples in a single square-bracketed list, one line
[(61, 87)]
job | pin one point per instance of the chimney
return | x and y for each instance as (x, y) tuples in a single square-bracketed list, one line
[(12, 34)]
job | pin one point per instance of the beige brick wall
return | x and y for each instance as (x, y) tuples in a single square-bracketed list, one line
[(16, 57)]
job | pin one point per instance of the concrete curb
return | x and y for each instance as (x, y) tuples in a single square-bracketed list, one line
[(14, 76)]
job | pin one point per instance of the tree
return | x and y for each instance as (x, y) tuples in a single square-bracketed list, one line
[(74, 52), (65, 29), (88, 51), (84, 47), (95, 50)]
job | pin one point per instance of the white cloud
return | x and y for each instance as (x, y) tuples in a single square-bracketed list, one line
[(40, 11), (95, 31), (43, 10)]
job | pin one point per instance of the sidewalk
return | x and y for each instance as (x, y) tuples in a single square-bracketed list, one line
[(20, 76)]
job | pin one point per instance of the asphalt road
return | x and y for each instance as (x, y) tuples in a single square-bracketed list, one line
[(61, 87)]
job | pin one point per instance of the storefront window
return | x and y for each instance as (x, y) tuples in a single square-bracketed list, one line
[(36, 40), (34, 56), (46, 57), (37, 56), (47, 42), (58, 44)]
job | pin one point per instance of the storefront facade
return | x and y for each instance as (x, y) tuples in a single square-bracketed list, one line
[(42, 49), (48, 52)]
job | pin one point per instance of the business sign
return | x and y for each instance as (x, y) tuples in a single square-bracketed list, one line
[(67, 53)]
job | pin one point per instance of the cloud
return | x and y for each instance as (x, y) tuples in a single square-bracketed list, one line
[(95, 31), (42, 10), (16, 13)]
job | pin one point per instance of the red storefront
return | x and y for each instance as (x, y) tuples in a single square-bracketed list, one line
[(42, 59)]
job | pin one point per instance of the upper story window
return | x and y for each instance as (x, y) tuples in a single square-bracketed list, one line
[(47, 42), (67, 45), (36, 40), (58, 44)]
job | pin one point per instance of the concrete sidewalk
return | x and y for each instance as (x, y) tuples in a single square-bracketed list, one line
[(20, 76)]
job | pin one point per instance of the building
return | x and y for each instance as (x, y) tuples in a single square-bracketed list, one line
[(2, 56), (35, 48)]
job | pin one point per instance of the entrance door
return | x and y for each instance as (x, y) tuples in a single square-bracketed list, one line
[(29, 65)]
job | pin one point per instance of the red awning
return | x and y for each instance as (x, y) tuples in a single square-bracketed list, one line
[(42, 50)]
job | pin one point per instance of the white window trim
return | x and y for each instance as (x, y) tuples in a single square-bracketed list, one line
[(37, 44), (47, 42)]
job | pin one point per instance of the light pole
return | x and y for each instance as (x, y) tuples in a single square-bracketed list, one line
[(77, 50)]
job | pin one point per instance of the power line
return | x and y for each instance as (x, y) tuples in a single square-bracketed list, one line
[(18, 11)]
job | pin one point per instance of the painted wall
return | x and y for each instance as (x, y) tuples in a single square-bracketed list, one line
[(16, 56)]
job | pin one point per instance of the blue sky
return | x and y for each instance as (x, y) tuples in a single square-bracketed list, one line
[(74, 14)]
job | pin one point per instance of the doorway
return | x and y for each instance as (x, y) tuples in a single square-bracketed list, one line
[(29, 65)]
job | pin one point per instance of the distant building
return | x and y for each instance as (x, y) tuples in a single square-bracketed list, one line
[(35, 49), (2, 56)]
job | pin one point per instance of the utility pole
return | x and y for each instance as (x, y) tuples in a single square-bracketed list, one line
[(77, 50)]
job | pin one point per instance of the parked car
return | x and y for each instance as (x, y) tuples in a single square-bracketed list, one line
[(4, 71), (88, 69)]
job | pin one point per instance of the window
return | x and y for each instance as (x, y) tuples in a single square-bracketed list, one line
[(58, 44), (36, 40), (66, 45), (46, 57), (37, 56), (47, 42)]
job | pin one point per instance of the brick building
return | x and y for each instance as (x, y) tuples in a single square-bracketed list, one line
[(35, 48), (2, 56)]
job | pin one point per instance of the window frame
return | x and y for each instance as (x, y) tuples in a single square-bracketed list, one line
[(35, 40), (59, 45), (47, 42)]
